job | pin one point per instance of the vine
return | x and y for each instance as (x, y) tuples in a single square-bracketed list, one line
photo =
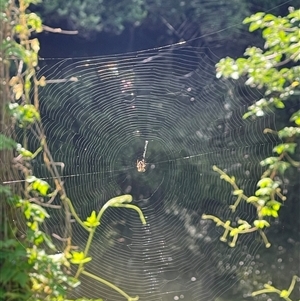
[(47, 272)]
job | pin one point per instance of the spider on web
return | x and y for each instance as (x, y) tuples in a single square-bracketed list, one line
[(141, 164)]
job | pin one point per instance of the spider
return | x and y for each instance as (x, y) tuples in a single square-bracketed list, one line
[(141, 165)]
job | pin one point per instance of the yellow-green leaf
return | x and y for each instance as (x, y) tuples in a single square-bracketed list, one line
[(284, 294), (261, 224), (91, 221), (78, 258), (237, 192), (252, 199)]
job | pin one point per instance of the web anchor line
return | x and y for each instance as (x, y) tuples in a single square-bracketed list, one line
[(141, 167)]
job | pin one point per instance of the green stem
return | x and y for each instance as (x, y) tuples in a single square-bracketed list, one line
[(137, 209), (293, 162), (86, 250), (115, 202), (121, 292), (292, 285), (264, 237), (265, 291), (36, 152), (75, 214)]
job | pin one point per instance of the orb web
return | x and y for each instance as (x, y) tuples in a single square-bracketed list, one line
[(102, 116)]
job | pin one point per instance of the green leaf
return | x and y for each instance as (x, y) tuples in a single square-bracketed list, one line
[(237, 192), (254, 26), (21, 278), (78, 258), (284, 294), (92, 221), (269, 161), (266, 211), (269, 17), (252, 199), (288, 132), (6, 143), (263, 191), (265, 182), (261, 224), (24, 152), (279, 104), (254, 18), (41, 186), (282, 166), (296, 117), (285, 147)]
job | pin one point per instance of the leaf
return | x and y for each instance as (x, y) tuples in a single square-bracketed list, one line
[(261, 224), (92, 221), (285, 147), (289, 132), (279, 104), (284, 294), (254, 26), (263, 191), (266, 211), (269, 17), (79, 257), (296, 117), (254, 18), (252, 199), (6, 143), (24, 152), (22, 278), (282, 166), (265, 182), (39, 185), (237, 192)]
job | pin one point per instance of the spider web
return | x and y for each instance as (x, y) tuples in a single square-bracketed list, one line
[(100, 113)]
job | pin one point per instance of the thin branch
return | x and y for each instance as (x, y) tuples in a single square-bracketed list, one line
[(59, 30)]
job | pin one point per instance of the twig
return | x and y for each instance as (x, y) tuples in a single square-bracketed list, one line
[(59, 30)]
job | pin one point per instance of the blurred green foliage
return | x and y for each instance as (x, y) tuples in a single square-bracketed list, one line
[(92, 16), (214, 20), (273, 70)]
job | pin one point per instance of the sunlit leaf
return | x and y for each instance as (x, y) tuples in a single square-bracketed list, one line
[(91, 221), (285, 147), (265, 182), (261, 224), (6, 142), (79, 257)]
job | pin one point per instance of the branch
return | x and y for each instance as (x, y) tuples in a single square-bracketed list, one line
[(59, 30)]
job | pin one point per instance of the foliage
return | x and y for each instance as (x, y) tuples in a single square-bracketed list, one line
[(284, 294), (93, 16), (44, 272), (14, 276), (268, 70), (90, 225), (275, 72)]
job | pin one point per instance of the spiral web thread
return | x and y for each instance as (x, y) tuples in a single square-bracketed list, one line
[(98, 114)]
